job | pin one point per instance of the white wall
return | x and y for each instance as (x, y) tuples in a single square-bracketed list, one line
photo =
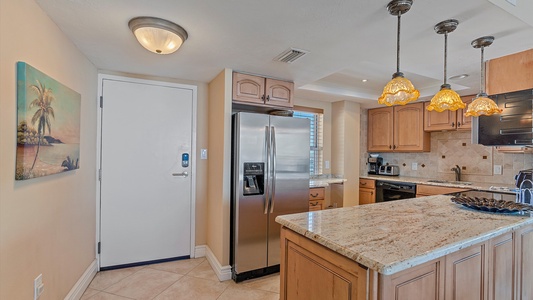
[(47, 224)]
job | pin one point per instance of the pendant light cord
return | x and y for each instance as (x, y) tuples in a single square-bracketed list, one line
[(445, 54), (482, 77), (398, 45)]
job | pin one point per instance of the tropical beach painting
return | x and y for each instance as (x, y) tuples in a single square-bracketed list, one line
[(48, 125)]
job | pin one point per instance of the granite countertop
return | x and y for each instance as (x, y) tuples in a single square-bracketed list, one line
[(393, 236), (479, 186), (325, 180)]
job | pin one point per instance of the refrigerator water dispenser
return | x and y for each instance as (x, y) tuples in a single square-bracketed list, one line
[(253, 178)]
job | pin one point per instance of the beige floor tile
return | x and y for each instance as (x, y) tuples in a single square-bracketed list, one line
[(106, 296), (203, 270), (193, 288), (268, 283), (104, 279), (180, 266), (144, 284), (88, 293), (240, 292)]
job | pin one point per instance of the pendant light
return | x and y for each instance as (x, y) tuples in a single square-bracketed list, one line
[(399, 90), (446, 98), (482, 105), (158, 35)]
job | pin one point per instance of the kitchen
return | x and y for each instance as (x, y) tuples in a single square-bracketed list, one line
[(32, 229)]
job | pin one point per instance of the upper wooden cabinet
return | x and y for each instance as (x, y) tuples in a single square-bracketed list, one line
[(448, 120), (398, 129), (256, 90), (509, 73)]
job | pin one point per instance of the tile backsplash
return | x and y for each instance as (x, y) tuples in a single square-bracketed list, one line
[(448, 149)]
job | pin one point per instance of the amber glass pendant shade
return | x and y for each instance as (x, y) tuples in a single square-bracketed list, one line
[(446, 99), (482, 106), (399, 91)]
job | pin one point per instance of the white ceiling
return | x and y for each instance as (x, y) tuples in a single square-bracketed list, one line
[(348, 40)]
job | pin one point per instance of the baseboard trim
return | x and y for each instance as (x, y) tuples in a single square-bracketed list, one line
[(199, 251), (223, 272), (81, 285)]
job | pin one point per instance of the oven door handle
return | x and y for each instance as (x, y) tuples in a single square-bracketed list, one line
[(391, 185)]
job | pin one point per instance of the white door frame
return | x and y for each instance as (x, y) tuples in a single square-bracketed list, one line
[(193, 88)]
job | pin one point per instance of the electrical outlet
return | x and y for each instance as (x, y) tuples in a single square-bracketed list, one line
[(38, 287), (497, 170), (327, 164), (414, 166), (203, 153)]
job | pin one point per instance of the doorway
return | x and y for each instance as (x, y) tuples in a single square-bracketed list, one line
[(146, 171)]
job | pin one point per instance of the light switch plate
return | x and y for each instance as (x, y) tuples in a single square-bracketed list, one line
[(327, 164), (497, 170), (203, 153), (414, 166)]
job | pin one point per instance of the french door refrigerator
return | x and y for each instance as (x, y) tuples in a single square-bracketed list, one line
[(270, 177)]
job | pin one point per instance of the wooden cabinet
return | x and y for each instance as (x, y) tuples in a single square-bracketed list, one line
[(423, 190), (256, 90), (311, 271), (448, 120), (502, 268), (397, 129), (524, 262), (509, 73), (467, 274), (367, 191), (316, 199)]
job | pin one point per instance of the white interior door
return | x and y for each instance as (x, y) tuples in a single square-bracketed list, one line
[(145, 204)]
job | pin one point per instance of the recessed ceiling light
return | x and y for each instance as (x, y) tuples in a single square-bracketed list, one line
[(364, 80), (461, 76)]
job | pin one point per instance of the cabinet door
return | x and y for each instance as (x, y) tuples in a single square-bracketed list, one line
[(380, 129), (524, 257), (502, 268), (464, 123), (466, 274), (409, 135), (510, 73), (367, 196), (316, 205), (248, 88), (279, 93), (437, 121)]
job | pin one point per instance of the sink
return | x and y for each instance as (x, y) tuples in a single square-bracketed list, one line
[(450, 182)]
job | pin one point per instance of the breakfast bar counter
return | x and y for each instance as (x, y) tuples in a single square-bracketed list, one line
[(405, 250)]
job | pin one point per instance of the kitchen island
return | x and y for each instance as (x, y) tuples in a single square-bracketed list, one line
[(424, 248)]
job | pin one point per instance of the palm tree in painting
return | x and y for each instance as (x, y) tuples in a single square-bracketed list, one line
[(42, 115)]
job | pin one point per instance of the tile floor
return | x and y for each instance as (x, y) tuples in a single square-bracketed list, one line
[(184, 279)]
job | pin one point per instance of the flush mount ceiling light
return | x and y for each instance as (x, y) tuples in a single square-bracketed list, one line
[(482, 105), (399, 91), (158, 35), (446, 98)]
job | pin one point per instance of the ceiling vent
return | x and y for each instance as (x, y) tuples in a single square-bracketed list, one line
[(290, 55)]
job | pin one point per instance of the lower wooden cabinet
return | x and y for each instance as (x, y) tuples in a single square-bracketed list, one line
[(423, 190), (367, 191), (524, 262), (466, 274), (316, 198), (502, 267)]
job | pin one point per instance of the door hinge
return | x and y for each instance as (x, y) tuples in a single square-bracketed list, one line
[(99, 247), (101, 101), (99, 174)]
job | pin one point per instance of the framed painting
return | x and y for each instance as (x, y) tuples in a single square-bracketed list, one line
[(48, 125)]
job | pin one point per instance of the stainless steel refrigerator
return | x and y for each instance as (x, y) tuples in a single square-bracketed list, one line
[(270, 178)]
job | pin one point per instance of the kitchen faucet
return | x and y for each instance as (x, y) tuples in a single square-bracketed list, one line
[(457, 171)]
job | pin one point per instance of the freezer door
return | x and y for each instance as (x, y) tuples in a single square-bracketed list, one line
[(290, 176), (250, 213)]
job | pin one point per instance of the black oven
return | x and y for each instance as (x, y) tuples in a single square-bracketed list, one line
[(390, 190)]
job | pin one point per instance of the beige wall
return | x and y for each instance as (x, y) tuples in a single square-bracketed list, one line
[(47, 224), (219, 166), (201, 143)]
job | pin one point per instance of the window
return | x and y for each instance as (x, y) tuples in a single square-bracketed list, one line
[(316, 118)]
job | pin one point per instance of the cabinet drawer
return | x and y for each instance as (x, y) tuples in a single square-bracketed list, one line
[(426, 190), (316, 205), (367, 183), (316, 194)]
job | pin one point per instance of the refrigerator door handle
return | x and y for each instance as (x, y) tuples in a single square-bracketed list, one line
[(273, 138), (267, 169)]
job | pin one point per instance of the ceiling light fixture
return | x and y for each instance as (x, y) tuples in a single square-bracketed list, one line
[(482, 105), (446, 98), (158, 35), (399, 91)]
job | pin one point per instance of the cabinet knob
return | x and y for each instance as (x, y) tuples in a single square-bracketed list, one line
[(390, 147), (268, 97), (371, 193), (263, 97), (453, 124), (458, 124), (394, 147)]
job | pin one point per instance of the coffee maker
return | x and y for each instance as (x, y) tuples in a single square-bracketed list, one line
[(374, 162)]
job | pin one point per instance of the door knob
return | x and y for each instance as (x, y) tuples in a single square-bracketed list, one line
[(183, 174)]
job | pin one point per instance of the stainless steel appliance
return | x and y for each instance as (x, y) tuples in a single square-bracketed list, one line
[(270, 177), (524, 182), (511, 128), (374, 163), (389, 170), (390, 190)]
